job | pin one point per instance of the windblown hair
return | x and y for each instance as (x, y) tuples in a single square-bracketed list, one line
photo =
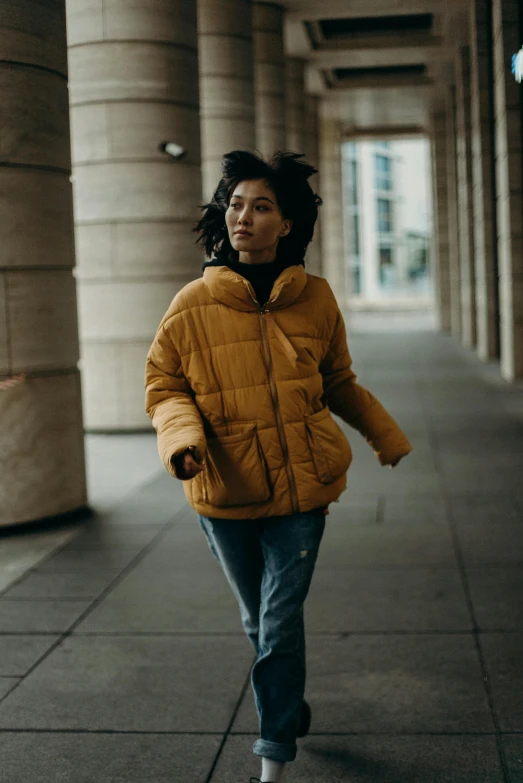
[(286, 174)]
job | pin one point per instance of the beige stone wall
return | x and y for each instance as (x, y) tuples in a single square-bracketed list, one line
[(269, 76), (507, 26), (133, 85), (465, 215), (441, 219), (225, 48), (454, 249), (483, 182), (295, 104), (311, 149), (332, 241), (42, 471)]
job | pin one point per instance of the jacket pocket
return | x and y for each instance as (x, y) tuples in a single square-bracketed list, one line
[(330, 449), (235, 472)]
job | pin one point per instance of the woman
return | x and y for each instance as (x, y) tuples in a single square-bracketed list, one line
[(246, 367)]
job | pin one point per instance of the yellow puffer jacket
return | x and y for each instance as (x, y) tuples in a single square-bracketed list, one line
[(253, 389)]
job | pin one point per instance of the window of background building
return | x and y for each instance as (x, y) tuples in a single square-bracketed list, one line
[(417, 246), (385, 221), (352, 173), (383, 172), (353, 178), (356, 235), (386, 267)]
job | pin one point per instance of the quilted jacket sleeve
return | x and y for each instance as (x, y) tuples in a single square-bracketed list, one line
[(357, 406), (169, 401)]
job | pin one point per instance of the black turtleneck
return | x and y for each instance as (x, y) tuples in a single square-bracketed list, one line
[(261, 276)]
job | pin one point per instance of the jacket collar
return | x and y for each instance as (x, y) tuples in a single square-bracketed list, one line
[(233, 290)]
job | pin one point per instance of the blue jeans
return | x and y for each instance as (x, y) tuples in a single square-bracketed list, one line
[(269, 565)]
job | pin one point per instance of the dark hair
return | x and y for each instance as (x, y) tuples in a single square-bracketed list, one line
[(287, 177)]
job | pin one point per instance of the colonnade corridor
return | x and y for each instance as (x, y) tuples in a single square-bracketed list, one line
[(121, 652), (122, 658)]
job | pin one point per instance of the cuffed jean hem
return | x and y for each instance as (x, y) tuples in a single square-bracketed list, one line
[(277, 751)]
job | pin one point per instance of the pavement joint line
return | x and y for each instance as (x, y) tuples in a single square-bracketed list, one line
[(119, 578), (109, 732), (136, 732), (52, 598), (393, 733), (467, 593), (230, 725), (239, 635), (30, 633), (342, 634), (442, 567), (413, 567)]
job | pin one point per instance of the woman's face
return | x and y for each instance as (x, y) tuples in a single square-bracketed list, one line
[(254, 220)]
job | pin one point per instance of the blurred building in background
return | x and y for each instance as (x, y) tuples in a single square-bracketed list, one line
[(388, 223)]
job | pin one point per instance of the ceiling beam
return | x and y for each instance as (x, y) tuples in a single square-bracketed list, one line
[(383, 132), (334, 9)]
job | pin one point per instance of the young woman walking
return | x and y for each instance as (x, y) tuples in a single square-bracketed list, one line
[(245, 371)]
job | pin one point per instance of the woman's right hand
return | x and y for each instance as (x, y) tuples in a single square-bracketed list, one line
[(186, 465)]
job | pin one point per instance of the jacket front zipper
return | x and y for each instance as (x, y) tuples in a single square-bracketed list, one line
[(276, 403), (277, 413)]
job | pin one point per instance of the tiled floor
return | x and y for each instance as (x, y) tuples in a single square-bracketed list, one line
[(122, 656)]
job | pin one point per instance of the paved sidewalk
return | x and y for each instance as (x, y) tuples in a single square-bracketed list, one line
[(122, 657)]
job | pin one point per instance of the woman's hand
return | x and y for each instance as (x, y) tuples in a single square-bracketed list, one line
[(186, 465)]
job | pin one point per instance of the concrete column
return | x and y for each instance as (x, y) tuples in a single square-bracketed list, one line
[(465, 215), (454, 251), (507, 36), (483, 180), (332, 249), (226, 83), (295, 103), (42, 471), (134, 85), (311, 149), (441, 224), (311, 133), (269, 76)]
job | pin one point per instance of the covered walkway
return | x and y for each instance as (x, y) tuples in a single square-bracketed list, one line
[(122, 657)]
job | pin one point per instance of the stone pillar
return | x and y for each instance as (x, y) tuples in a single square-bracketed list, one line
[(269, 76), (483, 176), (454, 252), (295, 103), (226, 83), (465, 216), (441, 213), (332, 243), (311, 149), (42, 470), (507, 36), (311, 134), (134, 85)]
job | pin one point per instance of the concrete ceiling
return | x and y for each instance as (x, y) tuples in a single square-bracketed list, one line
[(379, 65)]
